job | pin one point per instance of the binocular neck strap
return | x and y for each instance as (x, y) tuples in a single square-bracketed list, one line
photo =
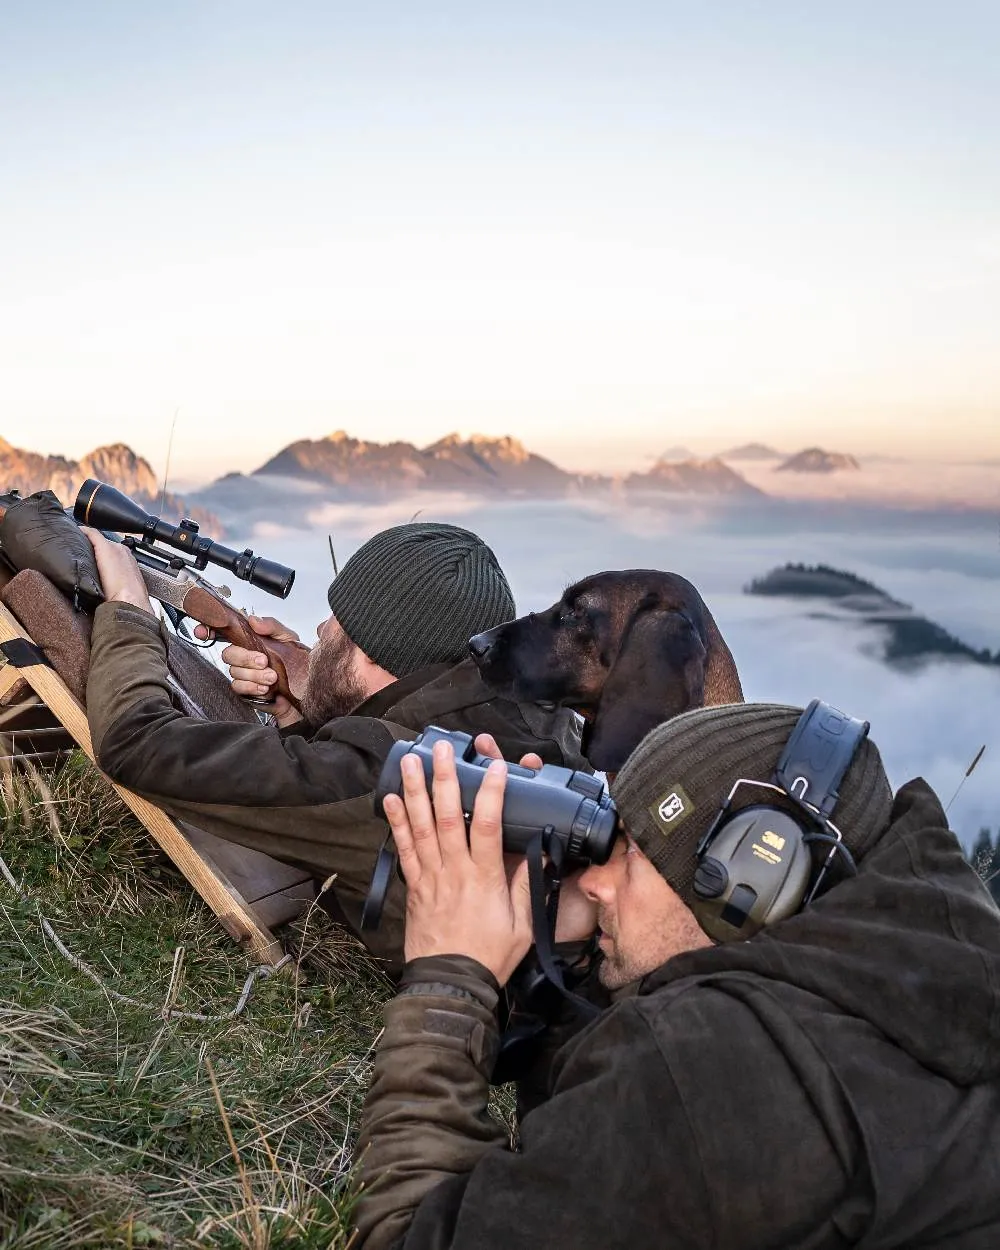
[(543, 884)]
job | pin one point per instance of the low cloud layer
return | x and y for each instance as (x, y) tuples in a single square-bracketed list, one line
[(929, 722)]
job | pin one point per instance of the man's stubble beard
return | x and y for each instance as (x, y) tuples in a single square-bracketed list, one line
[(674, 936), (615, 969), (332, 687)]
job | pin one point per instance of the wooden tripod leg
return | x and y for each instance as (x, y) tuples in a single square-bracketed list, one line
[(9, 678), (235, 914)]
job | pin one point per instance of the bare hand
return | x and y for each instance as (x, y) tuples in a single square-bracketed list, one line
[(576, 918), (121, 579), (486, 745), (252, 677), (458, 900)]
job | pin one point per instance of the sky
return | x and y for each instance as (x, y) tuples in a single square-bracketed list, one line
[(604, 229)]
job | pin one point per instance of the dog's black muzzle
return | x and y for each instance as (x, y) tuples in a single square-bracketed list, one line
[(480, 645)]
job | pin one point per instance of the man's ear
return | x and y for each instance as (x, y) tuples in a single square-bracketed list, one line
[(659, 673)]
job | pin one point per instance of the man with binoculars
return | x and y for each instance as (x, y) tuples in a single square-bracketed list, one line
[(391, 658), (802, 1050)]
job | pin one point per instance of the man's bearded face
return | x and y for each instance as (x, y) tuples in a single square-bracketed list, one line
[(333, 687)]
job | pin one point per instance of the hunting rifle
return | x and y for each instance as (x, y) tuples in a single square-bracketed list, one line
[(175, 580)]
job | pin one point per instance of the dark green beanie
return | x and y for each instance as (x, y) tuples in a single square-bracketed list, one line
[(673, 784), (415, 594)]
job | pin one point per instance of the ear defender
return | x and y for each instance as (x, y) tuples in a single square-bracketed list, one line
[(754, 867), (756, 872)]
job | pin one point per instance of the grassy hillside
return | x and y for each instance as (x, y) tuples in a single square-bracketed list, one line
[(123, 1125)]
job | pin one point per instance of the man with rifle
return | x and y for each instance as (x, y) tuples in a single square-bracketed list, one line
[(390, 658)]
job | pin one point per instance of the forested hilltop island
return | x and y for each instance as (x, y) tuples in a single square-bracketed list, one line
[(910, 639)]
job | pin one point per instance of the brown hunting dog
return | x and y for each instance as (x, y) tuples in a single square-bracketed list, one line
[(627, 650)]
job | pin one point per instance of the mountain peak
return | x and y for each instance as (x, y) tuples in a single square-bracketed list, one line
[(751, 451), (816, 460), (711, 476), (477, 463), (117, 464), (506, 446)]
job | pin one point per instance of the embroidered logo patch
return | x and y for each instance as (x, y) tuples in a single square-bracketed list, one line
[(672, 809)]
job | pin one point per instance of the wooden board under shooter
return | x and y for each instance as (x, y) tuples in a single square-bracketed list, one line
[(40, 719)]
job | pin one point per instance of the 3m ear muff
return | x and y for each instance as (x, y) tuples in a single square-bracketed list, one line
[(757, 872), (755, 866)]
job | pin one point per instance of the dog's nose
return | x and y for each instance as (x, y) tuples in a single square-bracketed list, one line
[(479, 644)]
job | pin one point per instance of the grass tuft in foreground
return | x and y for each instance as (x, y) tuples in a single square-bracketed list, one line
[(120, 1128)]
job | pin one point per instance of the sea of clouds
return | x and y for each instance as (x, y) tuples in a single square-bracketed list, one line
[(930, 721)]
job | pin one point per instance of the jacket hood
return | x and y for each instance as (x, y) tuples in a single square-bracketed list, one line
[(911, 945)]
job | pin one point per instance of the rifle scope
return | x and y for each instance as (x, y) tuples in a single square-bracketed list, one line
[(106, 508)]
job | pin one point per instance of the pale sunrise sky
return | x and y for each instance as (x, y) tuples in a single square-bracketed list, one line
[(606, 229)]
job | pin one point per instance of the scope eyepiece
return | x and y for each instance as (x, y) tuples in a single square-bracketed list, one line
[(275, 578)]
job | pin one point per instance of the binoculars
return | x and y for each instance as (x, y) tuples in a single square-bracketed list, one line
[(566, 807)]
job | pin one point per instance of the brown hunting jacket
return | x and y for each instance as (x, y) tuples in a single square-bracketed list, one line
[(832, 1082), (303, 799)]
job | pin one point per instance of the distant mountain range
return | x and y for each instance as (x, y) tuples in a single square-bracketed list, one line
[(358, 468), (342, 467), (117, 464), (910, 639)]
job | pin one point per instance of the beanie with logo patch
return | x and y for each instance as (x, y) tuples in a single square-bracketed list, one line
[(414, 595), (672, 785)]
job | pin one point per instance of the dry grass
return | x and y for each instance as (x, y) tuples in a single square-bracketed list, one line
[(121, 1128)]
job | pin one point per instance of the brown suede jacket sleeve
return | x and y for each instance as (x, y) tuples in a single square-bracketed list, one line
[(302, 800), (425, 1117), (437, 1172)]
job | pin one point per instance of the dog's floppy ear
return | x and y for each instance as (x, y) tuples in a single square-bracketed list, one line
[(659, 673)]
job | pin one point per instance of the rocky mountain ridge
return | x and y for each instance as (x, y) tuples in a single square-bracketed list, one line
[(117, 464), (478, 464), (711, 476)]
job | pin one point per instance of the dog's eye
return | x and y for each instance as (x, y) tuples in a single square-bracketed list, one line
[(569, 616)]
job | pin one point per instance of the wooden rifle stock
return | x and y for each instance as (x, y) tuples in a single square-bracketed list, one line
[(202, 605)]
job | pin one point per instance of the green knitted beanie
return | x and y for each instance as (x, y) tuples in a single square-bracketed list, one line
[(415, 594), (673, 784)]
